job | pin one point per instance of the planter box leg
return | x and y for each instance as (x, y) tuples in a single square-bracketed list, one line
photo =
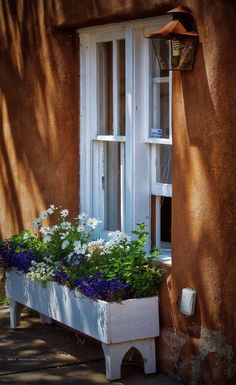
[(15, 312), (114, 354), (44, 319), (146, 347)]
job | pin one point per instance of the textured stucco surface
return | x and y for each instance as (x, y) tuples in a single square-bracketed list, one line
[(39, 115), (204, 211), (39, 159)]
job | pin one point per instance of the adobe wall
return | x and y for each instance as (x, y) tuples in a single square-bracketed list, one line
[(39, 160), (204, 211), (39, 115)]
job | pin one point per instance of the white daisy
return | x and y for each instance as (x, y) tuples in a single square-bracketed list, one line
[(80, 228), (43, 215), (65, 243), (93, 222), (64, 213), (36, 223), (46, 238)]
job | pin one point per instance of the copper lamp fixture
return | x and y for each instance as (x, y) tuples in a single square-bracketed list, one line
[(175, 43)]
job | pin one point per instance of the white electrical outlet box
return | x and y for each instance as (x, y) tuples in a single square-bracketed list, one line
[(188, 301)]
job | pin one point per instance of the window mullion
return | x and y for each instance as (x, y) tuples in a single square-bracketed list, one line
[(122, 185), (130, 132)]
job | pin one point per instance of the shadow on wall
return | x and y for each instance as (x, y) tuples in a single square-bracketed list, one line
[(201, 347), (39, 140)]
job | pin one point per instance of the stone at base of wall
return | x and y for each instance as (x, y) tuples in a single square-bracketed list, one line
[(206, 360)]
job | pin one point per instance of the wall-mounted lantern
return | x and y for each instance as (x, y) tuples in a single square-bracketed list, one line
[(175, 43)]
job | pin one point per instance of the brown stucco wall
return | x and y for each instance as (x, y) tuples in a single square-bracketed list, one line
[(204, 213), (39, 159), (39, 114)]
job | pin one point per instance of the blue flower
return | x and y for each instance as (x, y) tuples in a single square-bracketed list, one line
[(15, 257), (60, 277), (97, 287)]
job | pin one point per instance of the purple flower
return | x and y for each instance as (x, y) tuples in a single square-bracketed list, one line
[(97, 287), (15, 257), (60, 277)]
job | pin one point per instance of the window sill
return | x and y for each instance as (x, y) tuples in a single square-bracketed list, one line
[(165, 257), (158, 141)]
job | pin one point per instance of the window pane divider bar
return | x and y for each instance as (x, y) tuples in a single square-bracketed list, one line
[(160, 80), (109, 138), (162, 189)]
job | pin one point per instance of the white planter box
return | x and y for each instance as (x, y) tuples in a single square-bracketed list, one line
[(119, 326)]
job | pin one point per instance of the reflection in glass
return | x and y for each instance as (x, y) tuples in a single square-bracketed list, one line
[(164, 164), (112, 186), (121, 86), (159, 114), (105, 88)]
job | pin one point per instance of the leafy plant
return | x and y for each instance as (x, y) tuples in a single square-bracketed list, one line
[(127, 260), (4, 301), (65, 252)]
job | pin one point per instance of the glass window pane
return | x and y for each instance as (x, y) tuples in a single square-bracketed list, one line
[(121, 86), (159, 100), (164, 164), (165, 222), (112, 186), (160, 110), (105, 88)]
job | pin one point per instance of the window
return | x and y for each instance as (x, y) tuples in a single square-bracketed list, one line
[(125, 130), (160, 140)]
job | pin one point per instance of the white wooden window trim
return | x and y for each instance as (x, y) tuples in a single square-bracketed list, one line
[(157, 189), (158, 141), (136, 162)]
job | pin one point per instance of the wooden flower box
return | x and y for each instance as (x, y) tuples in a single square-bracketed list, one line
[(119, 326)]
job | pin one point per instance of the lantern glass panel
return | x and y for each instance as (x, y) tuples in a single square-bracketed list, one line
[(182, 53), (162, 50), (176, 54)]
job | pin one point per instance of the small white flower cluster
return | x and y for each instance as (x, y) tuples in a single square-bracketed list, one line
[(26, 235), (74, 237), (43, 215), (79, 248), (40, 271), (115, 238), (93, 222), (85, 220), (47, 232)]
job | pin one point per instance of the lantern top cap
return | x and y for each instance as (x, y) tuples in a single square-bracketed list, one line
[(172, 29), (180, 9)]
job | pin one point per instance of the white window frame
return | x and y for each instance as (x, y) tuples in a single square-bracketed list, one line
[(157, 189), (137, 188)]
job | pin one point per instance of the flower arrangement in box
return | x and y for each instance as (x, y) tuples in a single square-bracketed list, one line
[(106, 289), (67, 253)]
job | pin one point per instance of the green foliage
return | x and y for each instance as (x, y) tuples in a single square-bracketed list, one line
[(66, 253), (26, 240), (127, 261), (4, 301)]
